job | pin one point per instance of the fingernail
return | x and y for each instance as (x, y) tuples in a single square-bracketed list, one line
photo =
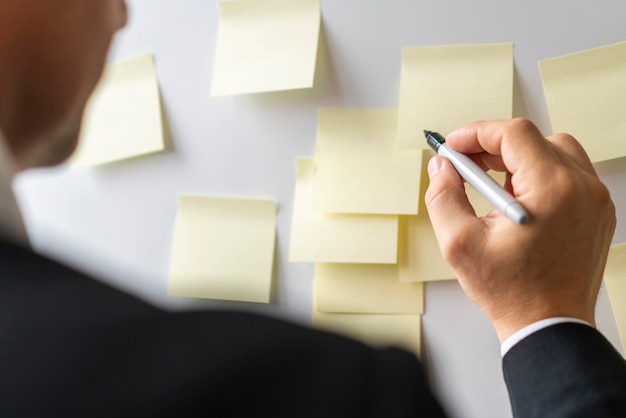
[(434, 165)]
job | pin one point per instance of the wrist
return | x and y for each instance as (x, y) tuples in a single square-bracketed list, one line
[(510, 324), (519, 335)]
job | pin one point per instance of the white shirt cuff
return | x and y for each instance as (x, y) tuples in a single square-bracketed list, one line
[(534, 327)]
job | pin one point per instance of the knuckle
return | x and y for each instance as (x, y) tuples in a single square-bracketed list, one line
[(562, 138), (454, 242), (586, 190), (603, 199), (456, 246), (567, 143), (569, 188), (437, 193), (433, 196), (603, 195), (522, 124)]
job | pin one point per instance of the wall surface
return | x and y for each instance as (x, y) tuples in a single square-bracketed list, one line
[(117, 221)]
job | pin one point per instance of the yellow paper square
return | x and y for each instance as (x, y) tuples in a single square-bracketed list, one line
[(267, 45), (365, 288), (377, 330), (358, 166), (586, 97), (331, 238), (419, 256), (123, 117), (223, 249), (615, 280), (445, 87)]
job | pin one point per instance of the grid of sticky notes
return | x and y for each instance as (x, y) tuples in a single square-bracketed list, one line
[(223, 249), (358, 210), (586, 97), (123, 119), (268, 45), (615, 281)]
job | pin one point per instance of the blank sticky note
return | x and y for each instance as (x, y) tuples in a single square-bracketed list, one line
[(365, 288), (123, 117), (267, 45), (358, 166), (223, 249), (332, 238), (445, 87), (419, 256), (377, 330), (615, 280), (586, 97)]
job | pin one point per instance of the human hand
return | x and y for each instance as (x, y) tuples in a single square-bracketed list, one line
[(550, 267)]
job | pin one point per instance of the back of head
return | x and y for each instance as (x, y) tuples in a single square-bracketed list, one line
[(51, 56)]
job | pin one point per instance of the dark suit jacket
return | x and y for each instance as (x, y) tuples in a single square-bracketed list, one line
[(70, 346), (566, 370)]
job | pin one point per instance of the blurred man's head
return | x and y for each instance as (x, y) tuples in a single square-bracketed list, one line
[(51, 56)]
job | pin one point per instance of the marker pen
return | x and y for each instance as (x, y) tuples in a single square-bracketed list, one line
[(474, 175)]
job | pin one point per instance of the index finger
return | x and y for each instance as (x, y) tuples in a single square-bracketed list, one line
[(518, 142)]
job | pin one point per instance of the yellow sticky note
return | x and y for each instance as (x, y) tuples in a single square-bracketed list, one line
[(377, 330), (586, 97), (358, 166), (445, 87), (123, 117), (223, 249), (365, 288), (332, 238), (267, 45), (419, 256), (615, 280)]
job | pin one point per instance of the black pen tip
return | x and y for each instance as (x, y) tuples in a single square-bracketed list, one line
[(434, 139)]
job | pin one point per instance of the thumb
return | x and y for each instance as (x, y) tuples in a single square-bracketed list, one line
[(451, 214)]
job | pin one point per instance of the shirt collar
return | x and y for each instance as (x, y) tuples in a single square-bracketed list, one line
[(12, 226)]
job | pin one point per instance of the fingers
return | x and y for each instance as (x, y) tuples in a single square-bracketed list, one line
[(489, 135), (518, 143), (538, 171), (488, 161), (451, 214), (569, 146)]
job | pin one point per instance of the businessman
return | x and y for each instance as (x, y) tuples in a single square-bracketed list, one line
[(73, 347)]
